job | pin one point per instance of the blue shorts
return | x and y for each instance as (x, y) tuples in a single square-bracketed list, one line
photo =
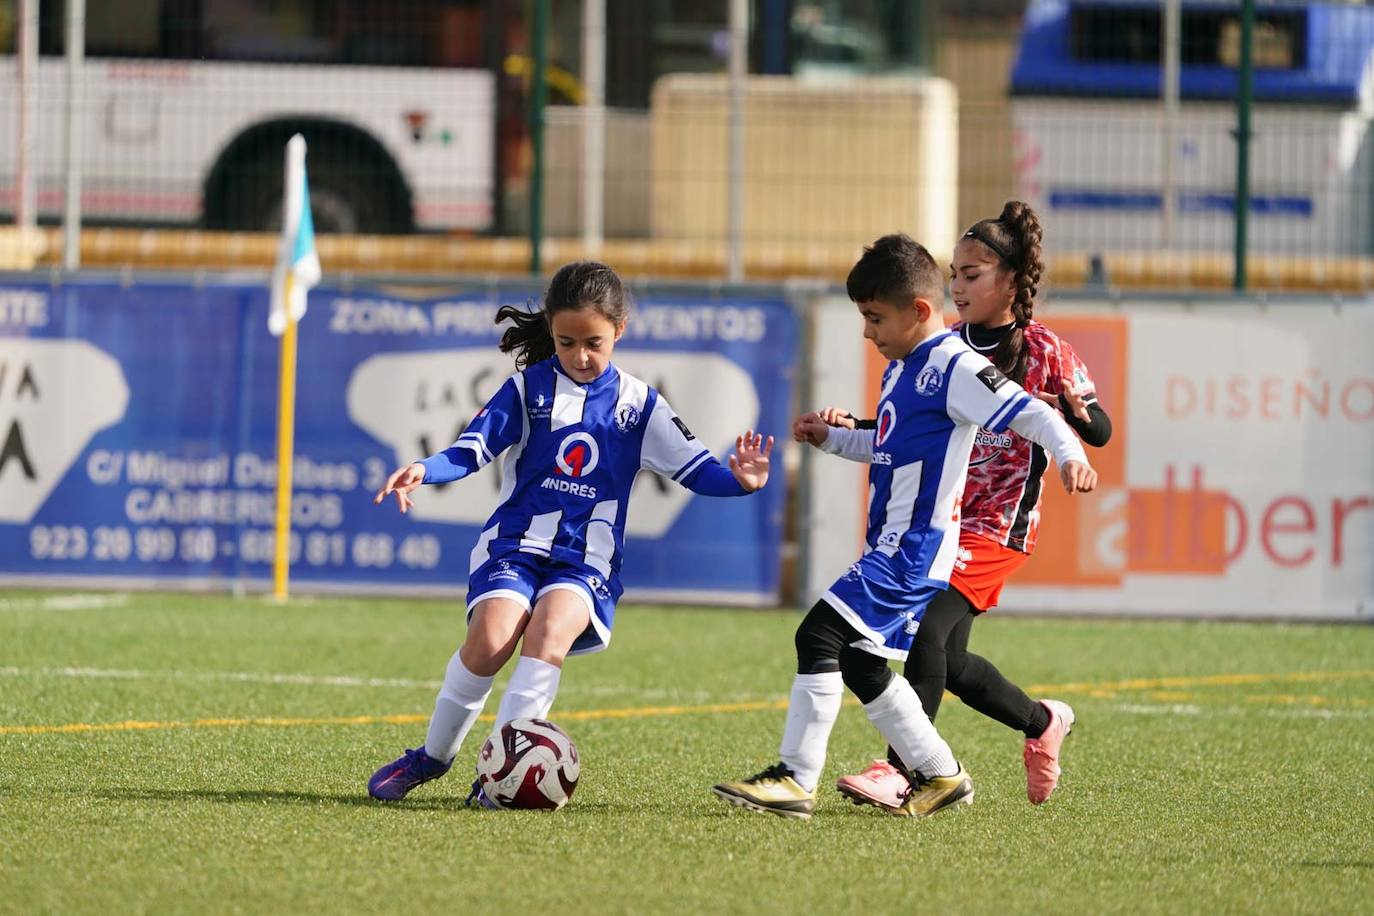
[(525, 578), (880, 605)]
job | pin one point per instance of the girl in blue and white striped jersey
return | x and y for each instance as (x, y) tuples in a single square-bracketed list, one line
[(571, 432)]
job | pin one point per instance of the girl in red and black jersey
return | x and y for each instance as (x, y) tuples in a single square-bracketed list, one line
[(993, 281)]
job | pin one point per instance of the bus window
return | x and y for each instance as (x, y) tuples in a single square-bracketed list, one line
[(868, 36), (1210, 37), (422, 33)]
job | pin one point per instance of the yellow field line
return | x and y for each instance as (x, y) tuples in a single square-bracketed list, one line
[(644, 712), (1209, 680)]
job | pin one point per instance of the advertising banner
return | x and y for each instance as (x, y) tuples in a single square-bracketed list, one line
[(137, 436), (1239, 480)]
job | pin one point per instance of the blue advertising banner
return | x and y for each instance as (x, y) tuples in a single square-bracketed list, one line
[(137, 436)]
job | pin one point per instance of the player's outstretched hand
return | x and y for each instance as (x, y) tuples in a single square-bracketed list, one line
[(810, 427), (402, 482), (1077, 477), (750, 462), (837, 416)]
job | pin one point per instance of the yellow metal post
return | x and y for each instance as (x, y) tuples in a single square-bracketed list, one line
[(286, 430)]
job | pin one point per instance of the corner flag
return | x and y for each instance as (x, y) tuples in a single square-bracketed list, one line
[(298, 269), (298, 264)]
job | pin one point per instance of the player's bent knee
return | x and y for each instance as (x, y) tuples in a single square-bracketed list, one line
[(493, 633), (819, 638), (559, 617), (865, 674)]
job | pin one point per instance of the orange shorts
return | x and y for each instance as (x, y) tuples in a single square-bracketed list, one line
[(982, 567)]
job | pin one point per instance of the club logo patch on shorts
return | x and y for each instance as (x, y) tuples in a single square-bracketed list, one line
[(598, 587), (912, 624), (502, 571)]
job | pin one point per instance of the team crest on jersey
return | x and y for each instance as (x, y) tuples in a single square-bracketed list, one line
[(929, 381), (626, 417), (577, 455), (887, 422), (891, 539)]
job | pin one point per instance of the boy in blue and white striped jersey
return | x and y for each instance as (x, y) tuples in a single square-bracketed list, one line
[(936, 395)]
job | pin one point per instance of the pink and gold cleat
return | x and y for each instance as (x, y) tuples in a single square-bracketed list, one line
[(1042, 754), (882, 785)]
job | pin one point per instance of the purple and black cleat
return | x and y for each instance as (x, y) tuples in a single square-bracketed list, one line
[(394, 781), (479, 798)]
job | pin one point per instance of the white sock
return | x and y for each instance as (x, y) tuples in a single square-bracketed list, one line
[(898, 715), (811, 714), (457, 707), (529, 695)]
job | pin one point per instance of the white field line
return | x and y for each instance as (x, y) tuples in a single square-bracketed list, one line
[(239, 677), (72, 602), (1284, 712), (312, 680)]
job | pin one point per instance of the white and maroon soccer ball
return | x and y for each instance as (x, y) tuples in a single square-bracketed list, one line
[(530, 763)]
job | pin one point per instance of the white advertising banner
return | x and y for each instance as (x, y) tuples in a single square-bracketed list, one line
[(1239, 480)]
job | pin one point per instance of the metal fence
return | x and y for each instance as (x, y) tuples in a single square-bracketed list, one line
[(1118, 121)]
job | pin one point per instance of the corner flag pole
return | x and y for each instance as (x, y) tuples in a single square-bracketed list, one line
[(297, 270), (286, 433)]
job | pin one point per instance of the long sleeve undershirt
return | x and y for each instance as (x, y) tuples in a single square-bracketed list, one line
[(854, 444)]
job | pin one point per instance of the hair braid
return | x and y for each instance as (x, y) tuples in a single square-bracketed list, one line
[(1015, 238), (1023, 226)]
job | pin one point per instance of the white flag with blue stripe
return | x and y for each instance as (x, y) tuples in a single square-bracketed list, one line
[(298, 264)]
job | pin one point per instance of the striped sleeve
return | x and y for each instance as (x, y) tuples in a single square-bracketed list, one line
[(979, 394), (670, 448), (496, 427)]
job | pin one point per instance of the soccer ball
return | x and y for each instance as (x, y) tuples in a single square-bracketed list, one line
[(530, 763)]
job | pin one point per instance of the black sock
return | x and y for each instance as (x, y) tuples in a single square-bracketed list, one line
[(1037, 721)]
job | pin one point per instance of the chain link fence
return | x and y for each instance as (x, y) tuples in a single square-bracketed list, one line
[(859, 117)]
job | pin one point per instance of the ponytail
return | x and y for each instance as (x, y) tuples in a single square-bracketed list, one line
[(528, 337), (581, 284), (1015, 238)]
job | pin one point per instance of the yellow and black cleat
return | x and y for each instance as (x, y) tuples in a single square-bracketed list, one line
[(939, 793), (773, 791)]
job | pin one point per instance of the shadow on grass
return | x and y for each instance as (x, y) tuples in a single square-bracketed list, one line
[(267, 796), (315, 799)]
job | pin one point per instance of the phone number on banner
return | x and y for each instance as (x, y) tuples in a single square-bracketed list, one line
[(252, 545)]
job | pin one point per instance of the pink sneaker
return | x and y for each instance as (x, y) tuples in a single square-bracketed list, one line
[(1042, 754), (881, 785)]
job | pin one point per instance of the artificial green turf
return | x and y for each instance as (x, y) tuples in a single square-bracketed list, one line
[(1222, 797)]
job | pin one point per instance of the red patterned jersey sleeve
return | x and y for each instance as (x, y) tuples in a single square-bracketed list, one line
[(1006, 472)]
